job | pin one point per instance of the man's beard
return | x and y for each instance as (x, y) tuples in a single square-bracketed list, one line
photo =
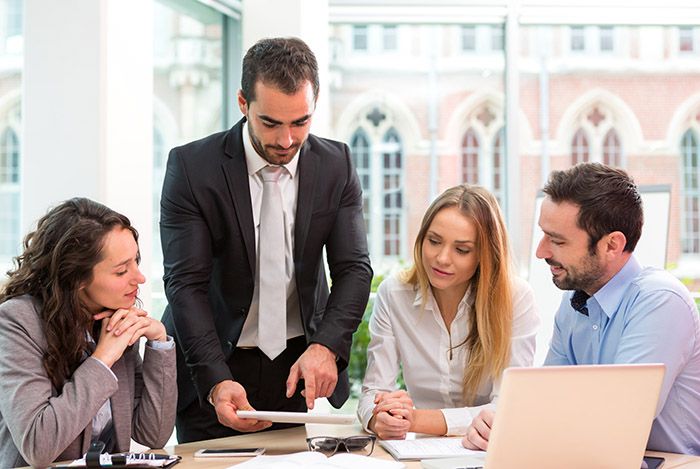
[(586, 278), (271, 157)]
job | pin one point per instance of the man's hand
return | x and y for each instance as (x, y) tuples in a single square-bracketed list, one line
[(316, 366), (478, 433), (228, 397)]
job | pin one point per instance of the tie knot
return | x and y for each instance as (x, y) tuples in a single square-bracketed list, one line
[(578, 301), (271, 173)]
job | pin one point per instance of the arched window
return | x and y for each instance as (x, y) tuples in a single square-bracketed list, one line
[(392, 169), (9, 193), (470, 157), (359, 147), (612, 151), (499, 166), (579, 148), (691, 193)]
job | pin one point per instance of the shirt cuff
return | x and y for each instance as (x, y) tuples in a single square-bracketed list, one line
[(457, 420), (106, 367), (166, 344)]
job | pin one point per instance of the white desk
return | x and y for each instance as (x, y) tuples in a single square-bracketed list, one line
[(293, 440)]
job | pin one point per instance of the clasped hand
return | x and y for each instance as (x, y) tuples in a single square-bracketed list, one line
[(393, 415), (122, 328)]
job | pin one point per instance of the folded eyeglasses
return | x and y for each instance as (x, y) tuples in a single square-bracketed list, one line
[(329, 445)]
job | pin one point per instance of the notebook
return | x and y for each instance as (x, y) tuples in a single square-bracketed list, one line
[(423, 448), (574, 417)]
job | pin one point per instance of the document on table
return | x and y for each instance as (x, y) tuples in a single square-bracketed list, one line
[(128, 460), (428, 448), (314, 460)]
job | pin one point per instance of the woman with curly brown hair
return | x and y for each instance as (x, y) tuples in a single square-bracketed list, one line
[(70, 370)]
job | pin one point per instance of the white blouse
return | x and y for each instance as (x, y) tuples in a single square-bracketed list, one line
[(406, 337)]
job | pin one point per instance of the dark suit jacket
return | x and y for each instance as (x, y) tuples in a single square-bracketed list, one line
[(208, 241)]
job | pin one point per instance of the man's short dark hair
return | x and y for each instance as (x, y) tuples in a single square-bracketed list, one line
[(285, 63), (607, 198)]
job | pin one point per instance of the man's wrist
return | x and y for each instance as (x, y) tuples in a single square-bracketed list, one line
[(335, 355)]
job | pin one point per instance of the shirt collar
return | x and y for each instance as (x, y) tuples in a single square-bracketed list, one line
[(431, 304), (255, 162), (610, 296)]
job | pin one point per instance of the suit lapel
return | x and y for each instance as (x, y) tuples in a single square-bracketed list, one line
[(308, 169), (236, 173)]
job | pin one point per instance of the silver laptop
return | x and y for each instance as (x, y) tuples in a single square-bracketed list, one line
[(574, 416)]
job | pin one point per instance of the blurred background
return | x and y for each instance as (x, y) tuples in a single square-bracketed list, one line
[(94, 93)]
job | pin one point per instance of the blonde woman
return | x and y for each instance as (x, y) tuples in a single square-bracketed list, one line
[(452, 323)]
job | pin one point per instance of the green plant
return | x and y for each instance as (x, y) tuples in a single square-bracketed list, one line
[(360, 341)]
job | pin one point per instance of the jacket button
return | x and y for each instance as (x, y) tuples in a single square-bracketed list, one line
[(243, 311), (229, 343)]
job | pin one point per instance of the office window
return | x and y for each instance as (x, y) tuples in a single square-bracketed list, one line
[(14, 17), (9, 194), (359, 37), (389, 37), (612, 151), (188, 74), (578, 38), (607, 38), (497, 37), (359, 146), (499, 173), (686, 42), (468, 37), (392, 165), (470, 157), (691, 193), (579, 148), (159, 161)]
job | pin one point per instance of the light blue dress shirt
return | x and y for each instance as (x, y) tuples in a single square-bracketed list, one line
[(642, 315)]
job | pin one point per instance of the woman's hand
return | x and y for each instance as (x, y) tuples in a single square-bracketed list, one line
[(397, 403), (123, 328), (393, 415), (123, 319)]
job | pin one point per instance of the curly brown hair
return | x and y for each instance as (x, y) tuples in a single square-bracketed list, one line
[(58, 259)]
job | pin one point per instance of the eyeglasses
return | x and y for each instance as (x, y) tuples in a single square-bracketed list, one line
[(329, 445)]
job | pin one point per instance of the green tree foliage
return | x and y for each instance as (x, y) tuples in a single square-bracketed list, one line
[(360, 340)]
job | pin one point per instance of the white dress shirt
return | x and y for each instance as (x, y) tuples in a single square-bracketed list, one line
[(289, 186), (406, 337)]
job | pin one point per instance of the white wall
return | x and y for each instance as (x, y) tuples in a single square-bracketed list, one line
[(87, 109)]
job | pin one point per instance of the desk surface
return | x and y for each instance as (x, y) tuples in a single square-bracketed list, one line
[(293, 440)]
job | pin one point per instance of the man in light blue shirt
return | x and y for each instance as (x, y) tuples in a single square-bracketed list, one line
[(616, 311)]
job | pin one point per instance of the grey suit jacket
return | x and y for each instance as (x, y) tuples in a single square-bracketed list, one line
[(38, 425)]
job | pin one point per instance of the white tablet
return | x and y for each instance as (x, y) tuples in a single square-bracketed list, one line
[(297, 417)]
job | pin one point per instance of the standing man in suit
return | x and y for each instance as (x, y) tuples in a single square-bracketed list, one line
[(253, 318)]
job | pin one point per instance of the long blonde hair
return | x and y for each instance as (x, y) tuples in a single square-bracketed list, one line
[(488, 340)]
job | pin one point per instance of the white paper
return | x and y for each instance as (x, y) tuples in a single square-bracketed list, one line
[(318, 460), (426, 448)]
